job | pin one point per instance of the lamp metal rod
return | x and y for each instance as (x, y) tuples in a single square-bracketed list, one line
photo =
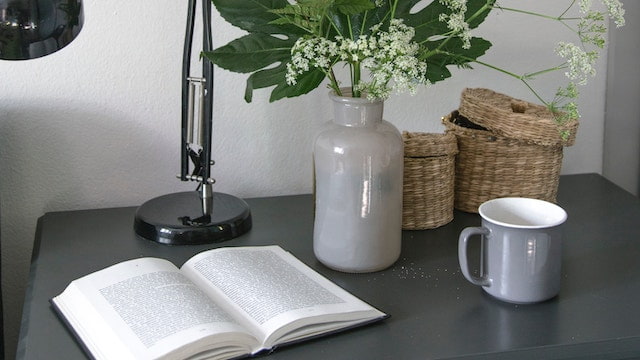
[(207, 87), (190, 108), (200, 157), (186, 65), (202, 136), (207, 74)]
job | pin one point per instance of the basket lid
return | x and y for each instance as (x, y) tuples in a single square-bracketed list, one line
[(419, 144), (515, 118)]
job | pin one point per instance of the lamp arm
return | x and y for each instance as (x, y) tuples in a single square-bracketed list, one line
[(207, 74), (197, 151), (187, 105)]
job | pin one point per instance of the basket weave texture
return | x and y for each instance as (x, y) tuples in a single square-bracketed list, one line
[(429, 174), (516, 119), (516, 150)]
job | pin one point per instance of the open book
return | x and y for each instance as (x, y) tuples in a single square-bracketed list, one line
[(223, 303)]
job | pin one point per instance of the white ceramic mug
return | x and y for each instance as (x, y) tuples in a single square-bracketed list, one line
[(521, 249)]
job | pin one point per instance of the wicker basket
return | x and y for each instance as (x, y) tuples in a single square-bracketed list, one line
[(508, 147), (428, 191)]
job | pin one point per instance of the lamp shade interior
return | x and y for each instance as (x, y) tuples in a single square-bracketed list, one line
[(31, 29)]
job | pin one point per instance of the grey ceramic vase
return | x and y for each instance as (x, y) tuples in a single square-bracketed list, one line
[(358, 173)]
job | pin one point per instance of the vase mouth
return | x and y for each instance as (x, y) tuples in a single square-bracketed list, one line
[(347, 96), (356, 112)]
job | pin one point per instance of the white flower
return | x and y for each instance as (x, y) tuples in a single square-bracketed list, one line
[(456, 20), (579, 62), (455, 5), (459, 25), (291, 75), (390, 56), (585, 6), (394, 64), (616, 12)]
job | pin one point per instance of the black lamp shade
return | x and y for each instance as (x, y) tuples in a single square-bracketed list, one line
[(30, 29)]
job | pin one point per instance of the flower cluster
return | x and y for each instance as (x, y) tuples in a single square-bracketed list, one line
[(396, 62), (578, 58), (310, 52), (580, 62), (391, 45), (616, 12), (389, 56), (456, 20), (393, 60)]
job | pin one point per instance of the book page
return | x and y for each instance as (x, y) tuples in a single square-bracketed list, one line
[(146, 309), (276, 292)]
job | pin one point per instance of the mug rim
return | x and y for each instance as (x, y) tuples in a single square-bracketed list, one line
[(554, 214)]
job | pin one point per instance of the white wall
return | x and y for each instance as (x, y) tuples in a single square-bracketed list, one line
[(622, 132), (96, 124)]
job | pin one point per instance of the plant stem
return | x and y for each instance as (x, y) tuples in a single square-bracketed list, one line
[(350, 27), (560, 18), (532, 75), (568, 8), (394, 6), (519, 77), (364, 22), (484, 7), (355, 79), (549, 17), (334, 83)]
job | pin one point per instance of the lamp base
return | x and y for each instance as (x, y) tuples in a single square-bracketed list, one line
[(179, 219)]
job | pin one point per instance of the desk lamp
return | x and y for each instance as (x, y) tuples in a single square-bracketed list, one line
[(200, 216)]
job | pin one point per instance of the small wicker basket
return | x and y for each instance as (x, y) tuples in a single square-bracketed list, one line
[(508, 147), (428, 192)]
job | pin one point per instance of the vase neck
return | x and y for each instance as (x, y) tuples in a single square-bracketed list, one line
[(349, 111)]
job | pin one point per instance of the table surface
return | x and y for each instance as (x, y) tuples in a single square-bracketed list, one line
[(435, 312)]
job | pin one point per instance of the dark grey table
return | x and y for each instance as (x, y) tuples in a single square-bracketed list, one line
[(435, 312)]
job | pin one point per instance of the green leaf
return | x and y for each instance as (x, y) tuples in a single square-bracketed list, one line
[(262, 79), (275, 76), (427, 23), (352, 26), (452, 53), (254, 52), (479, 47), (310, 15), (255, 16), (305, 83), (352, 7), (306, 15), (437, 71), (251, 52)]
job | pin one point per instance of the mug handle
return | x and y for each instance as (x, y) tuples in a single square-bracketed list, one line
[(463, 241)]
